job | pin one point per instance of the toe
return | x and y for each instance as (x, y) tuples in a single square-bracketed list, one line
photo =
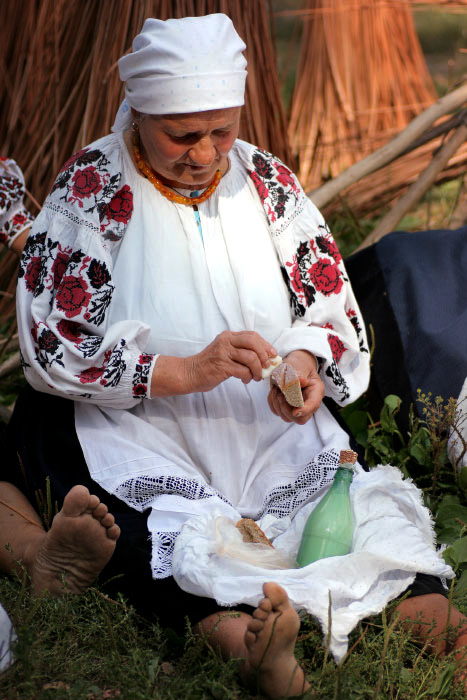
[(76, 501), (100, 511), (265, 604), (260, 614), (108, 520), (276, 594), (113, 532), (255, 625)]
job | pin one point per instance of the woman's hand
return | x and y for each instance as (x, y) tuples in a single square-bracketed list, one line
[(231, 354), (304, 364)]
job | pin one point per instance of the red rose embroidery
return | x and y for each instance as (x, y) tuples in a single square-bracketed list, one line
[(294, 275), (72, 295), (120, 206), (86, 182), (59, 267), (72, 160), (326, 277), (92, 374), (69, 330), (260, 186), (139, 390), (31, 275), (337, 346), (19, 219), (284, 175), (145, 359)]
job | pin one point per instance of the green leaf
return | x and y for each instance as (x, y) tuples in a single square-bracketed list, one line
[(462, 479), (460, 587), (441, 688), (420, 447), (391, 406), (456, 554)]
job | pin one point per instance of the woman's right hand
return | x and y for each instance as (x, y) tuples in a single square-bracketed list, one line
[(231, 354)]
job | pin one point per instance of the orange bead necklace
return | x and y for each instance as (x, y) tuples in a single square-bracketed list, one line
[(167, 192)]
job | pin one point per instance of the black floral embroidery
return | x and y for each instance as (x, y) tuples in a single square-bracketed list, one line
[(90, 345), (116, 365), (141, 375), (275, 184), (47, 348), (11, 190), (334, 373), (353, 318)]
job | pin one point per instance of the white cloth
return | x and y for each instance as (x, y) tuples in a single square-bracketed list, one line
[(7, 636), (14, 217), (393, 540), (185, 65), (457, 442)]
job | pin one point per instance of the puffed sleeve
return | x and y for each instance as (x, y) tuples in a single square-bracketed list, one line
[(14, 217), (325, 318), (65, 289)]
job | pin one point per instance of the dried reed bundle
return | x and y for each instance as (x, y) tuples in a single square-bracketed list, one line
[(60, 88), (361, 79), (374, 192)]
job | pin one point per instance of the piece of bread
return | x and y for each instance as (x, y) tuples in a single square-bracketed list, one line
[(251, 532), (274, 362), (287, 380)]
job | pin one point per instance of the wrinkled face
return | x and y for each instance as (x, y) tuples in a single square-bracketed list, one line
[(185, 150)]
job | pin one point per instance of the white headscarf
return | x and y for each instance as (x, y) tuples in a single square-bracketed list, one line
[(185, 65)]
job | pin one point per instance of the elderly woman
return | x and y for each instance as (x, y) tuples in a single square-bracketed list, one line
[(170, 264)]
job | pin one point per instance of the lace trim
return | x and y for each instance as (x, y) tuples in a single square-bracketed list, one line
[(141, 491), (280, 501), (284, 500), (163, 544)]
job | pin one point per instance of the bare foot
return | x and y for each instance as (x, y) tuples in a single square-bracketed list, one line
[(270, 639), (68, 557)]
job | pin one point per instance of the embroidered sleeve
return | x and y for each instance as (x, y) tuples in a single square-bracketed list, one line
[(325, 317), (14, 217), (65, 290)]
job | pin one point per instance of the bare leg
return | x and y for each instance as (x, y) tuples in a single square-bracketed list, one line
[(265, 642), (443, 628), (71, 554)]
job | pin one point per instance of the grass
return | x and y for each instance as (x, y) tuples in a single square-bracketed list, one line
[(93, 647)]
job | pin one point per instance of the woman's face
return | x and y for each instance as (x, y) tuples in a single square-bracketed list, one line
[(185, 150)]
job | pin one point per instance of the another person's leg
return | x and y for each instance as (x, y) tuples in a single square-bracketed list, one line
[(264, 641), (70, 555), (434, 622)]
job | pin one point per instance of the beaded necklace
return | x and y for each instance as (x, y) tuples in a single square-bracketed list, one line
[(167, 191)]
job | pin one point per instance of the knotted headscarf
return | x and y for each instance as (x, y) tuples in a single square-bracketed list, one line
[(185, 65)]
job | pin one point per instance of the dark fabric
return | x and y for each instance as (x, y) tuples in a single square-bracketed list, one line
[(412, 294), (42, 433), (425, 584)]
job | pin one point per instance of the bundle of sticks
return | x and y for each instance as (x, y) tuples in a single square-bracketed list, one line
[(60, 87)]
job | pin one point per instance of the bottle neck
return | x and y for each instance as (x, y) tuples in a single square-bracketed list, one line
[(343, 476)]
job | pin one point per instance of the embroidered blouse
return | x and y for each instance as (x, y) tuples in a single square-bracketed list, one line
[(113, 275)]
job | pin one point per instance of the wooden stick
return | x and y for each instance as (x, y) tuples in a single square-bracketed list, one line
[(418, 189), (389, 151)]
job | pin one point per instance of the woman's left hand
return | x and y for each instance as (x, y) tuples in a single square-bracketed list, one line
[(304, 364)]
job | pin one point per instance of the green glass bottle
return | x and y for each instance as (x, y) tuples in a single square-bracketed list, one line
[(329, 529)]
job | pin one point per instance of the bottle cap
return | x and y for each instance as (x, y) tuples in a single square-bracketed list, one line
[(347, 458)]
